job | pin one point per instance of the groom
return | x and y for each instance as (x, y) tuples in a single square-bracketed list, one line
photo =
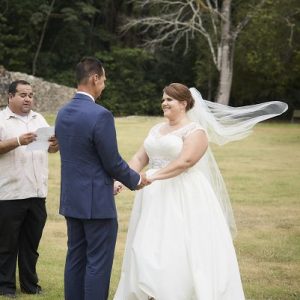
[(90, 162)]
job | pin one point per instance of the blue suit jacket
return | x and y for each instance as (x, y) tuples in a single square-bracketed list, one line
[(89, 160)]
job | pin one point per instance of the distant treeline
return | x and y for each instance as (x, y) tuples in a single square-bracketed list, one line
[(48, 38)]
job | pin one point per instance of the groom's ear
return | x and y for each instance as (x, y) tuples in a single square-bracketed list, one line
[(96, 77), (93, 79)]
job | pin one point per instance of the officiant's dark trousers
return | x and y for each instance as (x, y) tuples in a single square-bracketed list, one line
[(21, 226)]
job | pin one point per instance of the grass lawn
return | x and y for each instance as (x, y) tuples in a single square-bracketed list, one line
[(262, 174)]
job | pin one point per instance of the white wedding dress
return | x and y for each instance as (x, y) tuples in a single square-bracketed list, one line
[(178, 245)]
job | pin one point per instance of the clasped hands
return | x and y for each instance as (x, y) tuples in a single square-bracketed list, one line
[(118, 186)]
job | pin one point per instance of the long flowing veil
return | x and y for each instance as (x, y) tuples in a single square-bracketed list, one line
[(225, 124)]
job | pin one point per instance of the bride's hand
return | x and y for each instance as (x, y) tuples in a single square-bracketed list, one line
[(150, 179), (118, 187)]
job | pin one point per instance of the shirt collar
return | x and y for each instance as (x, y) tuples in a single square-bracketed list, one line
[(10, 114), (87, 94)]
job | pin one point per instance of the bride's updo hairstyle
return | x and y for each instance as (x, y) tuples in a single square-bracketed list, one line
[(180, 92)]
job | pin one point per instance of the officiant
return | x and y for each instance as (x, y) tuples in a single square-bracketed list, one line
[(23, 190)]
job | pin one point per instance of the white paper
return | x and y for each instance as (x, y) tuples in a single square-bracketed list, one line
[(41, 142)]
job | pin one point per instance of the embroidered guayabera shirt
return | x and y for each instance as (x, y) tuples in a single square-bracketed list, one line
[(23, 173)]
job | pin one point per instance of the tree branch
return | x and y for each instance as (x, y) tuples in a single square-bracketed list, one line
[(246, 20), (291, 25), (180, 19), (41, 38)]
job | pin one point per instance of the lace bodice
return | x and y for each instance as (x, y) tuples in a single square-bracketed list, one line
[(163, 148)]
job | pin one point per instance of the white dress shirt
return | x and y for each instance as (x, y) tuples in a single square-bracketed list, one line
[(87, 94)]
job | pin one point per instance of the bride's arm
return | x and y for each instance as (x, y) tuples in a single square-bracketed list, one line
[(194, 147), (139, 160), (137, 163)]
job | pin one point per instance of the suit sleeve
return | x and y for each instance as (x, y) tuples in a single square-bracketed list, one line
[(107, 148)]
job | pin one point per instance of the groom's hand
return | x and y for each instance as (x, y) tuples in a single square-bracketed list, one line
[(144, 181), (118, 187)]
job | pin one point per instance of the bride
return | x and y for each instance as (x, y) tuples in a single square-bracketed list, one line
[(179, 243)]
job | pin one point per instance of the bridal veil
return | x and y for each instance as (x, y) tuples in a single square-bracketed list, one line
[(225, 124)]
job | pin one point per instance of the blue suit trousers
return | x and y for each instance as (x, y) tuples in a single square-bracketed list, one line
[(91, 245)]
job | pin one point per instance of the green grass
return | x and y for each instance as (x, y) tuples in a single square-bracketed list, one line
[(262, 174)]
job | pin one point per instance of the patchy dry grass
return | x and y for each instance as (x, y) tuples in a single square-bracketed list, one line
[(262, 174)]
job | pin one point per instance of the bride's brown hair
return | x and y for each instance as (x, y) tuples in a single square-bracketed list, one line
[(180, 92)]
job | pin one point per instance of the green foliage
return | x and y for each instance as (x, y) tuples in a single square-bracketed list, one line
[(267, 56), (206, 74), (266, 65), (129, 89)]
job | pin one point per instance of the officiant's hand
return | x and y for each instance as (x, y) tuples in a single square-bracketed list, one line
[(53, 146), (26, 138)]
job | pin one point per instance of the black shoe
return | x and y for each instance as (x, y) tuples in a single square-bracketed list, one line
[(8, 295), (37, 291)]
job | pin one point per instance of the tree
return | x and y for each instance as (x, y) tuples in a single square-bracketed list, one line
[(129, 89), (169, 21), (48, 13), (267, 61)]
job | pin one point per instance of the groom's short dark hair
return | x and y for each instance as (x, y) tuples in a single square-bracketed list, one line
[(88, 66)]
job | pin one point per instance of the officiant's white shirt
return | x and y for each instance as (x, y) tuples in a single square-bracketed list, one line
[(24, 174)]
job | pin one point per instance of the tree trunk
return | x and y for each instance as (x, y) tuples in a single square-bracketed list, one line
[(225, 79), (210, 85), (41, 39)]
